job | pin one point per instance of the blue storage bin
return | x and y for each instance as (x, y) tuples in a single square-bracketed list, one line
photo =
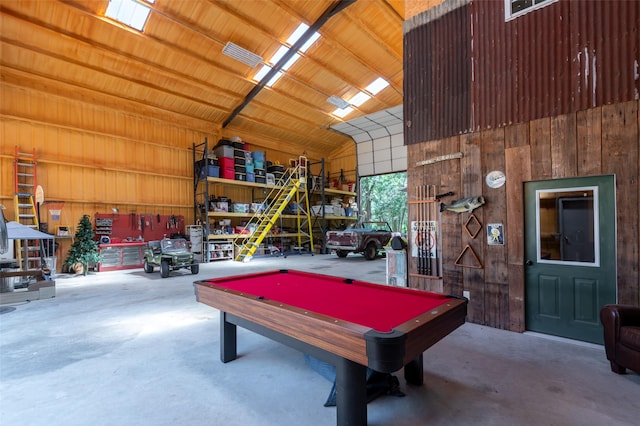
[(251, 177), (258, 156), (214, 171)]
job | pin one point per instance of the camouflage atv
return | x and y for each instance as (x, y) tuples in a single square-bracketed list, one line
[(169, 254)]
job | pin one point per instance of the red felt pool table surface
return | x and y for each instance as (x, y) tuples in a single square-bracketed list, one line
[(376, 306)]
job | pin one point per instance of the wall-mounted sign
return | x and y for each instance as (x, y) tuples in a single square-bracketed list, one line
[(495, 234)]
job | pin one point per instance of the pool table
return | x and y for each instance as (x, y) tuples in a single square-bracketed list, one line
[(348, 323)]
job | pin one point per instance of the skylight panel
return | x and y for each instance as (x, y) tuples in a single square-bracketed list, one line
[(129, 12), (295, 36), (342, 112), (359, 99), (291, 61), (263, 71), (282, 51), (375, 87), (310, 42), (278, 55), (274, 79)]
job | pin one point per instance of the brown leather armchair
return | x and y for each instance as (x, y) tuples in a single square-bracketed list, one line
[(622, 336)]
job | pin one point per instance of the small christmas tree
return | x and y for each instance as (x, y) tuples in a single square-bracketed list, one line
[(84, 249)]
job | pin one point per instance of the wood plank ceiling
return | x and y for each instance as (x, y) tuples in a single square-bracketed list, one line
[(176, 66)]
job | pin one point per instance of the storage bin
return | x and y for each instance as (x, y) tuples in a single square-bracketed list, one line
[(318, 210), (259, 172), (260, 179), (241, 176), (214, 171), (226, 162), (275, 168), (223, 151), (258, 163), (271, 180), (249, 167), (258, 156), (251, 177), (240, 208), (227, 173), (257, 207)]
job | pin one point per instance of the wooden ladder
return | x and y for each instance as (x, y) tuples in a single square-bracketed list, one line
[(28, 252)]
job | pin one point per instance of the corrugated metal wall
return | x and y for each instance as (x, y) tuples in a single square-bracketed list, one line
[(568, 56), (437, 65)]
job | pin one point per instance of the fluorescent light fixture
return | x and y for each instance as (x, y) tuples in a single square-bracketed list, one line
[(338, 102), (359, 99), (375, 87), (342, 112), (129, 12), (241, 54)]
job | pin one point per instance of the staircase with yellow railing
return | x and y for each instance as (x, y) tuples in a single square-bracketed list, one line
[(292, 187)]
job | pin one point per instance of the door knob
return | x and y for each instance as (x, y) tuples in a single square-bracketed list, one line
[(529, 262)]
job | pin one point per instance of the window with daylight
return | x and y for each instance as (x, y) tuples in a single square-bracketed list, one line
[(132, 13), (302, 28), (361, 97), (515, 8)]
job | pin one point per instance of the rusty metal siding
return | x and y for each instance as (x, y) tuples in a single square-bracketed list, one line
[(470, 70), (437, 63), (568, 56)]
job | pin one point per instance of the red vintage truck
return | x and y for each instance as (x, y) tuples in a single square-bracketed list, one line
[(367, 238)]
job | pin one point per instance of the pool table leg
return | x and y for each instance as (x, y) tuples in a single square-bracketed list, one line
[(228, 340), (414, 371), (351, 393)]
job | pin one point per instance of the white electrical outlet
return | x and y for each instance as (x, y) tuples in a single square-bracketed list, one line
[(466, 294)]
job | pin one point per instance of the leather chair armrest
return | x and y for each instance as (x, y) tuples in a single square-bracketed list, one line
[(610, 318), (629, 315)]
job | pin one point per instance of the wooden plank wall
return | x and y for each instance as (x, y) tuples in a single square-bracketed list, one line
[(599, 141), (96, 154)]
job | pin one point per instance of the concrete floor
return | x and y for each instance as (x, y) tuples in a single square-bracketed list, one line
[(130, 348)]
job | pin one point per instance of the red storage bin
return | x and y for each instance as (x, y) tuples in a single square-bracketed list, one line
[(225, 162), (228, 173)]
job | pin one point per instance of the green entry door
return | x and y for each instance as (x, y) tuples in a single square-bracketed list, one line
[(570, 255)]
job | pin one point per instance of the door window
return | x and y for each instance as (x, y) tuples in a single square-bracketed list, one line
[(567, 232)]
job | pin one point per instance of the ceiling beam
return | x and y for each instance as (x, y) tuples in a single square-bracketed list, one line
[(331, 11)]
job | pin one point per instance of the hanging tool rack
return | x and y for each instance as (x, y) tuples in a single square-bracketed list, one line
[(424, 234)]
